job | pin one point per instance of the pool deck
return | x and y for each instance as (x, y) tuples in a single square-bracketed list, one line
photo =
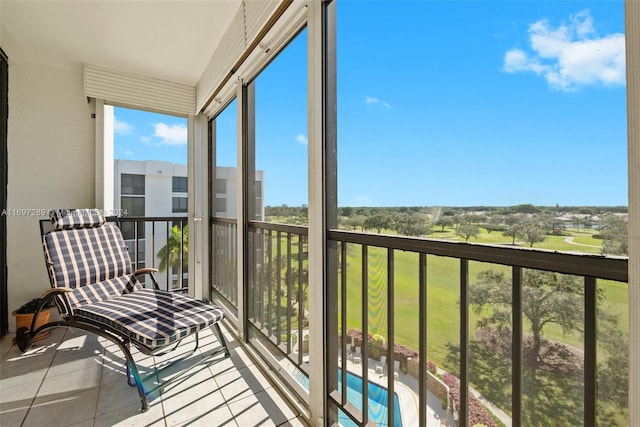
[(406, 387)]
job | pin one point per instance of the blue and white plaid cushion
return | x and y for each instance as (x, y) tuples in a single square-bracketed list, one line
[(100, 291), (66, 219), (154, 318), (78, 257)]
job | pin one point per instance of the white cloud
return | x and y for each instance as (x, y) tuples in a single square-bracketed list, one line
[(370, 100), (302, 139), (128, 153), (121, 128), (171, 135), (571, 55)]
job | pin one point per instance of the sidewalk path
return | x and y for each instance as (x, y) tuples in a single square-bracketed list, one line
[(571, 242)]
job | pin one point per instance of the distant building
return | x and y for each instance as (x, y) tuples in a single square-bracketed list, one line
[(149, 188)]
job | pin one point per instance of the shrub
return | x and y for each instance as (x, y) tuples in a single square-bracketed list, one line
[(31, 306), (478, 414), (431, 367), (377, 340), (450, 380)]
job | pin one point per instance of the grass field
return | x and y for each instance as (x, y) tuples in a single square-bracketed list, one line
[(443, 310)]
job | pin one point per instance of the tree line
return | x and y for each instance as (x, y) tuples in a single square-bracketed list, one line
[(523, 223)]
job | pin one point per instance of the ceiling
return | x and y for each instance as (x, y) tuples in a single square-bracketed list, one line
[(171, 39)]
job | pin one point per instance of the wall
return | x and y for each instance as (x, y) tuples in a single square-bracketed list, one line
[(52, 156)]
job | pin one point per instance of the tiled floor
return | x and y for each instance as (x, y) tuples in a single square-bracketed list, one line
[(77, 379)]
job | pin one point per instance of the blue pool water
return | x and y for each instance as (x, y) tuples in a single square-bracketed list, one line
[(378, 411)]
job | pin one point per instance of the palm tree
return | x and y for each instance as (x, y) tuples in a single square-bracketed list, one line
[(176, 250)]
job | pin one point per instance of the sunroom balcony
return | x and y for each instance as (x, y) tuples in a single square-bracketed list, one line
[(326, 326), (72, 378)]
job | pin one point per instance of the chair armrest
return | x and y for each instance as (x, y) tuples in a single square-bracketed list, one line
[(150, 271), (55, 291), (52, 293), (145, 271)]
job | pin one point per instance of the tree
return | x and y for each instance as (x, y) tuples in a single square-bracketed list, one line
[(615, 235), (415, 224), (353, 222), (176, 250), (547, 298), (613, 363), (514, 231), (444, 221), (378, 222), (526, 208), (587, 223), (466, 231), (532, 232)]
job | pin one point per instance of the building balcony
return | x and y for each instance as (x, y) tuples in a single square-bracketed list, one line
[(384, 344), (327, 327)]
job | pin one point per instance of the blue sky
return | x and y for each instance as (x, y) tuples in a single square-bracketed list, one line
[(443, 103)]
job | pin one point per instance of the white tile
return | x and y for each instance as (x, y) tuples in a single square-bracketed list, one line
[(263, 408), (73, 381), (219, 417), (220, 364), (85, 423), (16, 401), (62, 409), (16, 374), (295, 422), (241, 383), (130, 416), (13, 417), (73, 361), (181, 379), (195, 403), (117, 395)]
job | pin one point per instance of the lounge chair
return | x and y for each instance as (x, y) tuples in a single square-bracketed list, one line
[(95, 289), (396, 369), (357, 358), (381, 366)]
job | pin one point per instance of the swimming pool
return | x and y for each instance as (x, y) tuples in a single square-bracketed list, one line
[(378, 411)]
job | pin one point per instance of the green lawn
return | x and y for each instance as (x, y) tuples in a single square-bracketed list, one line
[(442, 295)]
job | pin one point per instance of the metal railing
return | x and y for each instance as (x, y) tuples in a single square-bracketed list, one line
[(224, 257), (159, 242), (353, 254), (367, 296), (278, 288)]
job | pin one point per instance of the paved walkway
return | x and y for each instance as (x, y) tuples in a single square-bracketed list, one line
[(571, 242)]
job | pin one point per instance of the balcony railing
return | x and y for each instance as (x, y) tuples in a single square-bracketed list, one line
[(395, 279), (159, 242), (224, 265), (418, 303), (277, 285)]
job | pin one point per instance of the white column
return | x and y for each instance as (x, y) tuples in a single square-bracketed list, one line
[(240, 178), (632, 29), (198, 196), (104, 121), (316, 217)]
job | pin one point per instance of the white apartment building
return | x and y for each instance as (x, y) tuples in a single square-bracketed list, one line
[(157, 189)]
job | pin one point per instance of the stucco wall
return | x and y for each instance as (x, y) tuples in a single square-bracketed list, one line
[(51, 164)]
